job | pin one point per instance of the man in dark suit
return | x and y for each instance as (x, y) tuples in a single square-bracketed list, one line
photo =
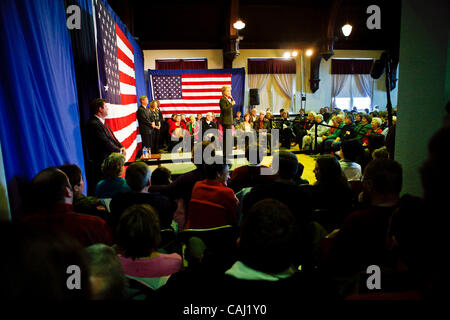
[(101, 141), (226, 117), (145, 123)]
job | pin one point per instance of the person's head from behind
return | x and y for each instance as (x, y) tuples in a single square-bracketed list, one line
[(161, 176), (49, 188), (380, 153), (108, 282), (41, 264), (268, 229), (351, 149), (217, 171), (202, 153), (73, 172), (138, 231), (288, 165), (328, 170), (375, 141), (382, 178), (138, 176), (112, 166)]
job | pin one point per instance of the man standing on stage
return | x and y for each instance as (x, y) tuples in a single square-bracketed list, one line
[(100, 140), (226, 117), (145, 123)]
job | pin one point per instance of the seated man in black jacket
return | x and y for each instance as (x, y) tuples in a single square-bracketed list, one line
[(138, 178), (347, 132)]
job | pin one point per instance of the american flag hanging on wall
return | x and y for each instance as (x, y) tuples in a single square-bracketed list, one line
[(189, 93), (117, 78)]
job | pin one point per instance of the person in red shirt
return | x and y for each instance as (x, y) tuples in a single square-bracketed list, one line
[(212, 193), (375, 129), (52, 198)]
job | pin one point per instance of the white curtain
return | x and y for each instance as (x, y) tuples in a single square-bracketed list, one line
[(286, 83), (257, 81), (364, 84), (339, 81)]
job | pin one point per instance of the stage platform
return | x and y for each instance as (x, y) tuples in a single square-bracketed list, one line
[(180, 163)]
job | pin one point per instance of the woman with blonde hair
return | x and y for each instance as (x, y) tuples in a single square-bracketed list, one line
[(112, 168)]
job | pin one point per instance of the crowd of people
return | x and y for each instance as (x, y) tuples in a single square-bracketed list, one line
[(209, 235)]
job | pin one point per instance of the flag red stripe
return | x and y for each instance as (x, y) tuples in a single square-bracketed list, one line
[(129, 141), (117, 124), (122, 56), (168, 111), (205, 83), (202, 98), (128, 98), (184, 104), (206, 76), (124, 78), (218, 91), (124, 39)]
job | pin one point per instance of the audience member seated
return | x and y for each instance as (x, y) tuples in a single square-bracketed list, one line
[(35, 265), (108, 282), (297, 199), (161, 176), (253, 115), (112, 169), (138, 177), (309, 139), (246, 125), (330, 195), (261, 123), (404, 276), (193, 127), (214, 195), (298, 176), (81, 203), (52, 198), (380, 153), (286, 133), (346, 132), (375, 129), (327, 141), (363, 127), (138, 238), (237, 120), (249, 175), (351, 150), (177, 132), (361, 241)]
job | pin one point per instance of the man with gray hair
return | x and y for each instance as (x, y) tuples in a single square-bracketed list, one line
[(138, 177), (106, 276)]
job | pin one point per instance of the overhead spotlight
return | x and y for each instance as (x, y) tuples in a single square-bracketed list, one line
[(287, 54), (309, 53), (294, 53), (239, 25), (347, 29)]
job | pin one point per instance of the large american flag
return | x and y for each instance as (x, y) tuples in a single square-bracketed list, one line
[(189, 93), (117, 79)]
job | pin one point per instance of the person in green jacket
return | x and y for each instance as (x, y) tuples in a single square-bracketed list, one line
[(363, 127)]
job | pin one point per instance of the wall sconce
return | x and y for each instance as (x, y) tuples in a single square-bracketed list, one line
[(347, 29), (239, 25)]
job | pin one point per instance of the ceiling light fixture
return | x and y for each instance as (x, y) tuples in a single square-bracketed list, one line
[(287, 54), (347, 29), (239, 25), (309, 52)]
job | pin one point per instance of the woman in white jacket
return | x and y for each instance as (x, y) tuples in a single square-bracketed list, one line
[(322, 130)]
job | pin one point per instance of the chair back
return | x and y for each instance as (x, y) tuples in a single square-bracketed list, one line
[(203, 214)]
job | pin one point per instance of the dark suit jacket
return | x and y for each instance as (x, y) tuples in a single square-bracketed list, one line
[(206, 126), (226, 111), (101, 142), (144, 119), (266, 124)]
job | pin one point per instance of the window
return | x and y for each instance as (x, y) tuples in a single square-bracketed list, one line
[(352, 84), (177, 64)]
